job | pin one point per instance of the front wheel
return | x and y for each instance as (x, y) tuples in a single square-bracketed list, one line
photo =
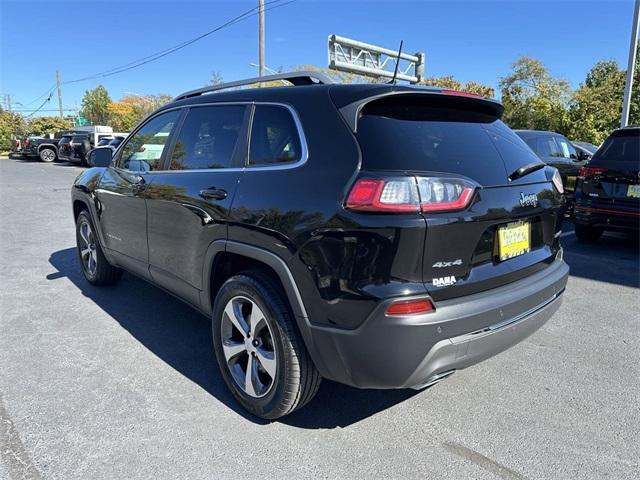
[(47, 155), (259, 350), (95, 267)]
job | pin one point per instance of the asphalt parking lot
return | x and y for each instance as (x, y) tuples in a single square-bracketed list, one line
[(120, 382)]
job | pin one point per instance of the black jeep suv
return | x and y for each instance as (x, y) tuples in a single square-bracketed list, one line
[(376, 235)]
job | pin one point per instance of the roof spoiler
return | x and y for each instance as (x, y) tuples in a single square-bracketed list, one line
[(351, 112)]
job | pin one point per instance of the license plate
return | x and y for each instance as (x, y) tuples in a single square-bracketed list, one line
[(633, 191), (514, 239)]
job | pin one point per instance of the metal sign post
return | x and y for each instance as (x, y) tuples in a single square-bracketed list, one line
[(628, 84), (352, 56)]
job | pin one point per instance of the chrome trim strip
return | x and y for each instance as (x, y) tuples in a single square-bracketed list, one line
[(285, 166), (507, 322)]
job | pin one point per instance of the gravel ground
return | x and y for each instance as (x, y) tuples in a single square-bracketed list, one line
[(120, 382)]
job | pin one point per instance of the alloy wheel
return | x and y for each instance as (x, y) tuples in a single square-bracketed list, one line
[(248, 346), (87, 246), (48, 155)]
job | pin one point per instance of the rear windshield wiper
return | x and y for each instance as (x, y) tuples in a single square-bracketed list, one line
[(526, 170)]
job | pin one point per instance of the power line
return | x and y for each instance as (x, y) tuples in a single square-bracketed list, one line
[(38, 109), (156, 56), (272, 4)]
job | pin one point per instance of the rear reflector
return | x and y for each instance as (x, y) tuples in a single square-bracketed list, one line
[(410, 307)]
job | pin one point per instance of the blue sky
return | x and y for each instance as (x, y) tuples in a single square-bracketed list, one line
[(471, 40)]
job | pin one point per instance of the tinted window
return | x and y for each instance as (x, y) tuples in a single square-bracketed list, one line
[(143, 151), (622, 146), (406, 136), (547, 147), (274, 137), (566, 149), (208, 138)]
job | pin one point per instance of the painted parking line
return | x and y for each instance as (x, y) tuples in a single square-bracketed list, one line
[(566, 234)]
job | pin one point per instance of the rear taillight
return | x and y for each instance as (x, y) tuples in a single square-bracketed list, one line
[(26, 143), (410, 194), (390, 195), (557, 181), (410, 307), (586, 172)]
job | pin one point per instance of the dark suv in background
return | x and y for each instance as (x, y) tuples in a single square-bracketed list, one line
[(376, 235), (608, 187), (75, 146), (555, 150)]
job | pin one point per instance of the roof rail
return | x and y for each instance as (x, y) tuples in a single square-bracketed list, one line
[(305, 77)]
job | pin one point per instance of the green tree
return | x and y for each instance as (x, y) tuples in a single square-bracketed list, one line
[(596, 106), (95, 105), (533, 98), (12, 125), (47, 125)]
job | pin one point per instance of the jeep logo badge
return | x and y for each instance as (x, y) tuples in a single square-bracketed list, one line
[(528, 200)]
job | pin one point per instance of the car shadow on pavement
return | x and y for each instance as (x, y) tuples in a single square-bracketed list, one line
[(181, 337), (614, 258)]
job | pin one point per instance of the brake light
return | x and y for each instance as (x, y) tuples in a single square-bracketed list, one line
[(586, 172), (461, 94), (26, 143), (410, 307), (410, 194)]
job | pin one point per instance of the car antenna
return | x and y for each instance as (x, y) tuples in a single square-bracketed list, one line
[(395, 72)]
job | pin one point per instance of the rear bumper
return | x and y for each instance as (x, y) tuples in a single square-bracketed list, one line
[(416, 351), (607, 216)]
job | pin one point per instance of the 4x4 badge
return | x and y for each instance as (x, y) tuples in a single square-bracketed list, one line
[(447, 264)]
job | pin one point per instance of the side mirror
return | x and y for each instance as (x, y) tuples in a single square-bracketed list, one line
[(100, 157), (583, 157)]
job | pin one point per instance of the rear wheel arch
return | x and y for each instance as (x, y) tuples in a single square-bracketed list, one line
[(227, 258), (78, 207)]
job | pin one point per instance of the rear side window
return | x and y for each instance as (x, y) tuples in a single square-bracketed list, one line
[(622, 146), (274, 137), (208, 138)]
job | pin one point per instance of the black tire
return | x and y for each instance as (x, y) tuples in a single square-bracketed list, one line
[(99, 272), (47, 155), (585, 233), (296, 378)]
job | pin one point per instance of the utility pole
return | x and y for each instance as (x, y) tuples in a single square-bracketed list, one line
[(59, 93), (626, 103), (8, 100), (261, 59)]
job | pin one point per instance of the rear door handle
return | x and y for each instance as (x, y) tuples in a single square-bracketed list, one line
[(213, 194)]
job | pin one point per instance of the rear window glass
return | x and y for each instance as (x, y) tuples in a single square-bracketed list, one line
[(619, 147), (274, 137), (436, 139)]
